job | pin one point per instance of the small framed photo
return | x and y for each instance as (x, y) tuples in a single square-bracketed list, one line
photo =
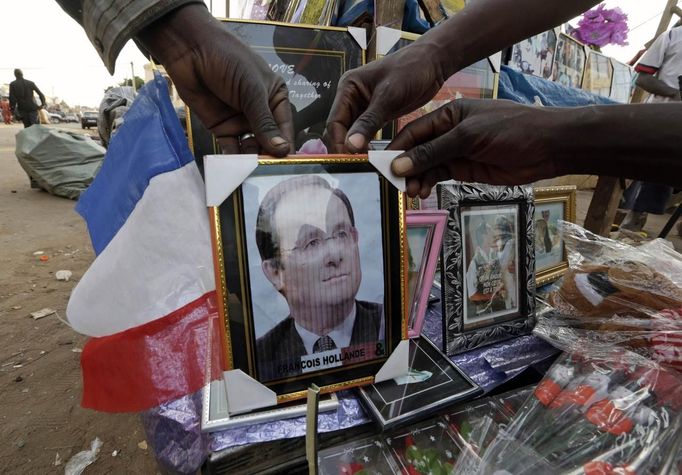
[(424, 237), (535, 55), (569, 66), (433, 382), (552, 204), (598, 74), (310, 261), (487, 264), (621, 86)]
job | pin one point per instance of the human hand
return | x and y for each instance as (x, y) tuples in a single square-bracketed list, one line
[(496, 142), (228, 86), (381, 91)]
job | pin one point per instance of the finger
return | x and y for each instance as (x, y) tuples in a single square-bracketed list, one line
[(428, 155), (281, 111), (428, 126), (345, 108), (258, 114), (229, 145), (413, 186), (365, 127)]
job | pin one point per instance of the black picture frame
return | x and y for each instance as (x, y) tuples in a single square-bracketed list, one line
[(310, 59), (461, 333), (393, 403), (236, 267)]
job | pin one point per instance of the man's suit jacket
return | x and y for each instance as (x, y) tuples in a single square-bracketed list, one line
[(282, 346)]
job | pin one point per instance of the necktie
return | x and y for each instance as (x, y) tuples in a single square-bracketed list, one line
[(324, 343)]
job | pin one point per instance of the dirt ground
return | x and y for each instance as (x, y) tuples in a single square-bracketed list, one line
[(41, 422)]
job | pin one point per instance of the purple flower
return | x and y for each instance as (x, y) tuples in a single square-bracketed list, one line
[(602, 26)]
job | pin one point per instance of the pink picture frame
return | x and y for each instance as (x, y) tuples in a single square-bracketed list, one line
[(425, 229)]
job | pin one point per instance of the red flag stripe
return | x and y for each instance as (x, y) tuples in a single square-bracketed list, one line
[(154, 363)]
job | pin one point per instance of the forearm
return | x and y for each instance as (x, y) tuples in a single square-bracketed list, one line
[(172, 36), (109, 24), (488, 26), (655, 86), (639, 141)]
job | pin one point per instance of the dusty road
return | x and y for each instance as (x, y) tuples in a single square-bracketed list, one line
[(41, 422)]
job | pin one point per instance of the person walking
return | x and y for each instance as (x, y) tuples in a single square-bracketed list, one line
[(21, 99)]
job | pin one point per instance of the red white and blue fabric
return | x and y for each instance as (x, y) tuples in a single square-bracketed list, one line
[(148, 299)]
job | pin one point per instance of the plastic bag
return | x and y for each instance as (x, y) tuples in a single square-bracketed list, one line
[(615, 294), (592, 415)]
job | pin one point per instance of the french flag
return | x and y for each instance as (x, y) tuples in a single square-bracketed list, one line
[(148, 300)]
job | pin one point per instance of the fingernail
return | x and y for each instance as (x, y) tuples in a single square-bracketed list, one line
[(277, 141), (357, 141), (402, 165)]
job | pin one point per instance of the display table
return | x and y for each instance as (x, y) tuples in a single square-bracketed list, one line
[(174, 429)]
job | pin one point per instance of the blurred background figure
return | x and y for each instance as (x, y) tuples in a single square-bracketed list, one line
[(5, 110), (21, 100), (658, 71)]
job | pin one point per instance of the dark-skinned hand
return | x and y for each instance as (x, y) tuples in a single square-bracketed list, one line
[(370, 96), (495, 142), (229, 87)]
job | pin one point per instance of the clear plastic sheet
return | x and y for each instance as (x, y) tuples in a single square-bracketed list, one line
[(590, 415), (492, 365), (616, 295)]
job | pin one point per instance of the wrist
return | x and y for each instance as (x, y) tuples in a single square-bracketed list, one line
[(173, 35)]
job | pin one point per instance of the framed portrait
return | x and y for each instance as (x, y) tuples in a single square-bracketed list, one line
[(598, 74), (424, 237), (487, 264), (535, 55), (621, 86), (310, 60), (478, 81), (552, 204), (432, 382), (569, 65), (310, 261)]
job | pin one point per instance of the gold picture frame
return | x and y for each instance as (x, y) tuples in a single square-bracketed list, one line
[(255, 245), (552, 204)]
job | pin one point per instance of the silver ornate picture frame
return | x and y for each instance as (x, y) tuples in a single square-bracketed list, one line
[(487, 264)]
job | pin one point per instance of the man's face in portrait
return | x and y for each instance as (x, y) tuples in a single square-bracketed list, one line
[(319, 261)]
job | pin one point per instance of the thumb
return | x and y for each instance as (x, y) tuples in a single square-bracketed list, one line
[(263, 125), (365, 128)]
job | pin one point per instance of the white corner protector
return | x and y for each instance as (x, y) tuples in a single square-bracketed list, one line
[(397, 364), (386, 39), (359, 34), (381, 159), (224, 173), (245, 394), (496, 61)]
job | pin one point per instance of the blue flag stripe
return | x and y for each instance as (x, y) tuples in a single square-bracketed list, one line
[(138, 151)]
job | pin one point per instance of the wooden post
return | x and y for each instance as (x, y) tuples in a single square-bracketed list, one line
[(604, 205)]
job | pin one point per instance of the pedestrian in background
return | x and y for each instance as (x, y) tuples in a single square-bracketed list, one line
[(21, 99)]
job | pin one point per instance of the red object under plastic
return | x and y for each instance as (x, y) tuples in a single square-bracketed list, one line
[(154, 363)]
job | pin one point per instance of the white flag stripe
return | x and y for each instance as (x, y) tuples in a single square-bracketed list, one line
[(159, 261)]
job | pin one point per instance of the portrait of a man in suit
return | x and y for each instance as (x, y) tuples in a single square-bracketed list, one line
[(309, 247)]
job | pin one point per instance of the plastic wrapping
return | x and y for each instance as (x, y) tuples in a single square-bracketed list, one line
[(615, 294), (591, 415)]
